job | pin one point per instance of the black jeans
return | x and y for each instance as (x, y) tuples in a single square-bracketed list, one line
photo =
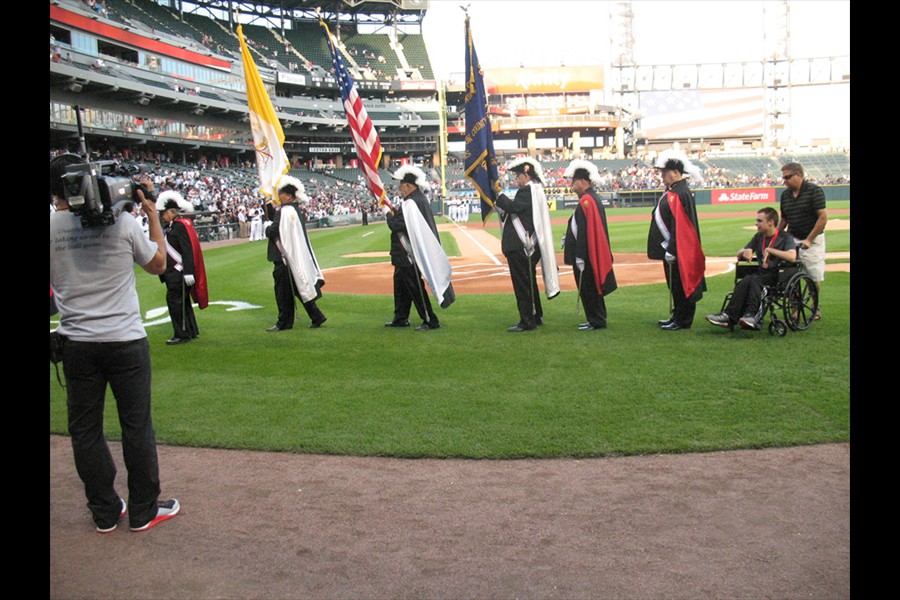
[(125, 366), (748, 293)]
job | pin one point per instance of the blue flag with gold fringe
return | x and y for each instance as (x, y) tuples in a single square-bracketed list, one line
[(480, 162)]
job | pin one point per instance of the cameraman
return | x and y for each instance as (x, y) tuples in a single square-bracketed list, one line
[(103, 342)]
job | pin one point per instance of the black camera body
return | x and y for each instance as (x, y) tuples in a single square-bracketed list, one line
[(97, 192)]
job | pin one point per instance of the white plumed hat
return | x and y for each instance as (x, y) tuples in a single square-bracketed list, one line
[(414, 175), (584, 169), (533, 168), (174, 200)]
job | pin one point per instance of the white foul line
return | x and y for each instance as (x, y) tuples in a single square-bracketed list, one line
[(487, 252)]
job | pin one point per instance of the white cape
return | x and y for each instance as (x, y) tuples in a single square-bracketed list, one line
[(428, 254), (299, 254), (544, 233)]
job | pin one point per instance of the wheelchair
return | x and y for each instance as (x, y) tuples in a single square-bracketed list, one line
[(791, 303)]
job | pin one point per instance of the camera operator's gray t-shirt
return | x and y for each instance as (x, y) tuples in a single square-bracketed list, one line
[(92, 275)]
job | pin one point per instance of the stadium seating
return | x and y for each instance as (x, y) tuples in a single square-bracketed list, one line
[(822, 167), (417, 54)]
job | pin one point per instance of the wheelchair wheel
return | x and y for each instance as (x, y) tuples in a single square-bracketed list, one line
[(801, 301), (778, 327)]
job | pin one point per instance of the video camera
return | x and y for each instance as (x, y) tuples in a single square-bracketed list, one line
[(97, 192)]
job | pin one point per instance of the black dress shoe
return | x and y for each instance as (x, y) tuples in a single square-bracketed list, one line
[(538, 321), (663, 322), (427, 326), (317, 324), (404, 323), (673, 326), (521, 327), (177, 340), (277, 328), (590, 327)]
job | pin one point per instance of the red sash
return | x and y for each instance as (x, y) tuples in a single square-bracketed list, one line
[(598, 244), (691, 261), (199, 291)]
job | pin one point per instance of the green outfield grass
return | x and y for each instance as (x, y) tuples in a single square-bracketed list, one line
[(472, 390)]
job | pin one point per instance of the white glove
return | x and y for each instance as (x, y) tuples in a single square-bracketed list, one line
[(579, 262), (385, 209), (189, 280), (670, 258)]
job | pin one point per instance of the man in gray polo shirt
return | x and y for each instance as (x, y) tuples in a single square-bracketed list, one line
[(103, 343)]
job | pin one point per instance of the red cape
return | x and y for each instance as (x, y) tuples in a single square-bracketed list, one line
[(598, 244), (691, 261), (199, 291)]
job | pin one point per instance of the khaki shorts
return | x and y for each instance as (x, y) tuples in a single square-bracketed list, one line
[(813, 258)]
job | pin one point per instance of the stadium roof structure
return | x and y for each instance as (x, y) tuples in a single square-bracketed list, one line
[(131, 86), (400, 10)]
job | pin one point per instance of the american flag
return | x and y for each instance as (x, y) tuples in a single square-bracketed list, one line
[(365, 137), (702, 113)]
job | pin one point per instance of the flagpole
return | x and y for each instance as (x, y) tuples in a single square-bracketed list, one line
[(442, 140), (578, 297), (268, 136), (480, 162), (362, 130)]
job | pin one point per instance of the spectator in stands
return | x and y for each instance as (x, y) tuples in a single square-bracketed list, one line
[(803, 213)]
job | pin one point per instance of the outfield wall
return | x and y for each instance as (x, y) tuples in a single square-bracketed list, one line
[(749, 195)]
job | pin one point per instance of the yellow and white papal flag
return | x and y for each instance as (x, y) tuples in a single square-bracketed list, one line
[(268, 136)]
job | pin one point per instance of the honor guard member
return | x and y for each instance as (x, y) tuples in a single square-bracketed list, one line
[(527, 240), (416, 250), (675, 239), (587, 245), (296, 271), (180, 266)]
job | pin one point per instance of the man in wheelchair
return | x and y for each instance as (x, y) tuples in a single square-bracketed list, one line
[(772, 248)]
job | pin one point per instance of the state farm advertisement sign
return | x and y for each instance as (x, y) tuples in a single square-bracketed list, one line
[(739, 195)]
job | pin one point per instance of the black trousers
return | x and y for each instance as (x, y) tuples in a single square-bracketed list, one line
[(523, 272), (746, 296), (593, 303), (409, 289), (124, 366), (284, 298), (684, 308), (181, 309)]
